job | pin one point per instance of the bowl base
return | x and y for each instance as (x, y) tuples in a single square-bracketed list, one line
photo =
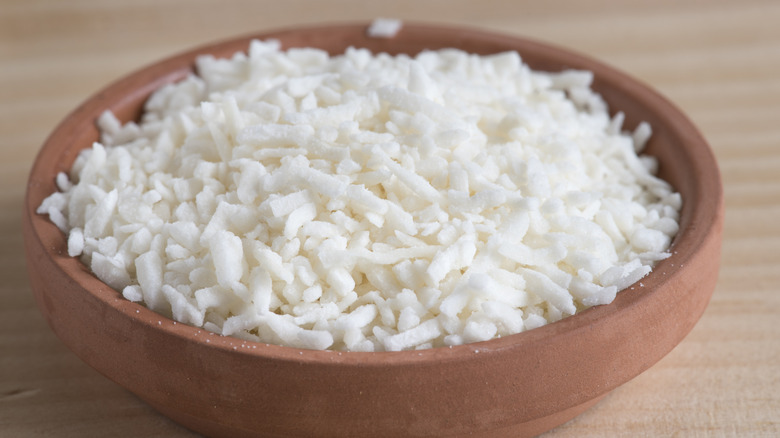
[(211, 429)]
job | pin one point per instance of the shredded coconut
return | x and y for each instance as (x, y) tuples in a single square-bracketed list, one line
[(368, 202)]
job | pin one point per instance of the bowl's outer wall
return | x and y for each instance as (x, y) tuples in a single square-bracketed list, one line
[(519, 385)]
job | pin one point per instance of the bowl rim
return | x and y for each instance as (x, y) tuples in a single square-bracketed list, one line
[(700, 221)]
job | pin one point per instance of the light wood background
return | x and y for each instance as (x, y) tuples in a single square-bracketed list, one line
[(718, 60)]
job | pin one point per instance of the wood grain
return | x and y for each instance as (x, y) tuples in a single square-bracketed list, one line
[(718, 60)]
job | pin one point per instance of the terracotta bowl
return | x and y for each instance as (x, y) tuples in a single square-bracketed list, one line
[(516, 386)]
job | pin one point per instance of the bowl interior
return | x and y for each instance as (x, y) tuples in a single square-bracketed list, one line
[(685, 160)]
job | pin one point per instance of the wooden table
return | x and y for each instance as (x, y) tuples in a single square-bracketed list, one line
[(718, 60)]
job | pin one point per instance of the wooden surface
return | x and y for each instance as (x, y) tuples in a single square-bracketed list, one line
[(718, 60)]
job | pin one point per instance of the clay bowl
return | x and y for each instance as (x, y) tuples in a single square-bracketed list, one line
[(517, 386)]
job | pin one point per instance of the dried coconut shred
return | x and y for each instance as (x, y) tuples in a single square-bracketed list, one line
[(368, 203)]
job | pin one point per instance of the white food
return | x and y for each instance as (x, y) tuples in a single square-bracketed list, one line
[(384, 28), (368, 203)]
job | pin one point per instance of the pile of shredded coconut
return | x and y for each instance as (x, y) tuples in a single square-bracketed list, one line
[(368, 202)]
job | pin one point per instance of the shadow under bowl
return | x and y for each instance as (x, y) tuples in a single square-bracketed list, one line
[(519, 385)]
